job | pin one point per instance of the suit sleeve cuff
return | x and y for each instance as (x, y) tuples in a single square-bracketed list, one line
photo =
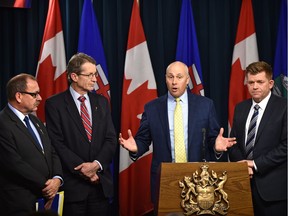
[(60, 178), (101, 168)]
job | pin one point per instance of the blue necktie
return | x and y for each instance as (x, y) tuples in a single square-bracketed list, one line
[(26, 120), (251, 133)]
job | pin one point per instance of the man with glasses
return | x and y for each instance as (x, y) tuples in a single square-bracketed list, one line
[(30, 167), (80, 126)]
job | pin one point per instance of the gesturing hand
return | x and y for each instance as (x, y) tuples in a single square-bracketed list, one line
[(129, 143), (223, 143)]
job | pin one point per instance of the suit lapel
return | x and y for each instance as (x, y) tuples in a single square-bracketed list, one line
[(192, 106), (242, 121), (40, 131), (95, 115), (265, 118), (22, 127), (163, 113)]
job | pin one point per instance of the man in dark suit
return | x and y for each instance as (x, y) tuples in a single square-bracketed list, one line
[(30, 167), (267, 156), (85, 146), (157, 126)]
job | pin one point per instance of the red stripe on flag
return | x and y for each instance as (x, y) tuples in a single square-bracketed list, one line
[(245, 52), (139, 87), (134, 198), (51, 69)]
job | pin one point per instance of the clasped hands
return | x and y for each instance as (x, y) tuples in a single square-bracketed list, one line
[(89, 171), (50, 191)]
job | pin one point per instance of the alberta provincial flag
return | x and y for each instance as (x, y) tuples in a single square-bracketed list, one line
[(187, 48), (90, 43), (51, 68), (245, 52), (280, 61), (139, 87)]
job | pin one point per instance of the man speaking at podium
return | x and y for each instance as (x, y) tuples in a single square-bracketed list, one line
[(177, 124)]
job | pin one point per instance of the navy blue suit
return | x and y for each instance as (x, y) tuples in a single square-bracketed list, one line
[(154, 127)]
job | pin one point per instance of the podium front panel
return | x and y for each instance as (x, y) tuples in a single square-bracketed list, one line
[(237, 187)]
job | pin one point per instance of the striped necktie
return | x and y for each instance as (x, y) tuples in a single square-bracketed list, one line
[(180, 151), (251, 133), (85, 118)]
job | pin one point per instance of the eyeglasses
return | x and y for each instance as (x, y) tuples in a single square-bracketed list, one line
[(33, 94), (91, 75)]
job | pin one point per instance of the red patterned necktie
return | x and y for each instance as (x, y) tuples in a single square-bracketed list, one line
[(85, 118)]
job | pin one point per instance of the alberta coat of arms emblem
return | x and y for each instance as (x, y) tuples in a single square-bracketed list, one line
[(203, 193)]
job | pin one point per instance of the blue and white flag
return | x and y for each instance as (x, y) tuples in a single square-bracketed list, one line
[(280, 61), (187, 48), (90, 43)]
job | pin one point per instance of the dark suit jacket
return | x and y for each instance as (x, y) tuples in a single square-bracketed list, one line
[(69, 138), (154, 127), (270, 148), (24, 168)]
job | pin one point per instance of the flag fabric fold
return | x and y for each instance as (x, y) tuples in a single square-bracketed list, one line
[(187, 48), (139, 87), (90, 43), (51, 68), (16, 3), (245, 52), (280, 61)]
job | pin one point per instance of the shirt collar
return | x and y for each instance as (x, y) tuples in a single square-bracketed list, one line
[(76, 95), (262, 103), (183, 97), (19, 114)]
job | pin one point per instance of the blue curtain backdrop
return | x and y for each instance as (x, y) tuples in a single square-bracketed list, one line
[(21, 32)]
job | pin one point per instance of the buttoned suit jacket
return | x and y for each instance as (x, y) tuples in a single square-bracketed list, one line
[(270, 147), (24, 167), (69, 138), (154, 126)]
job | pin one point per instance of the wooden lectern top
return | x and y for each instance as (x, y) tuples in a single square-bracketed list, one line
[(230, 177)]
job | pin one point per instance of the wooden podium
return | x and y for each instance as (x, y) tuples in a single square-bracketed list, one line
[(236, 187)]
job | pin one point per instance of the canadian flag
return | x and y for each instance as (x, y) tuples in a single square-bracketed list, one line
[(139, 87), (245, 52), (51, 68)]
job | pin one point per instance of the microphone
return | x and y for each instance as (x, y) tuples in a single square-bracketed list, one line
[(204, 144)]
